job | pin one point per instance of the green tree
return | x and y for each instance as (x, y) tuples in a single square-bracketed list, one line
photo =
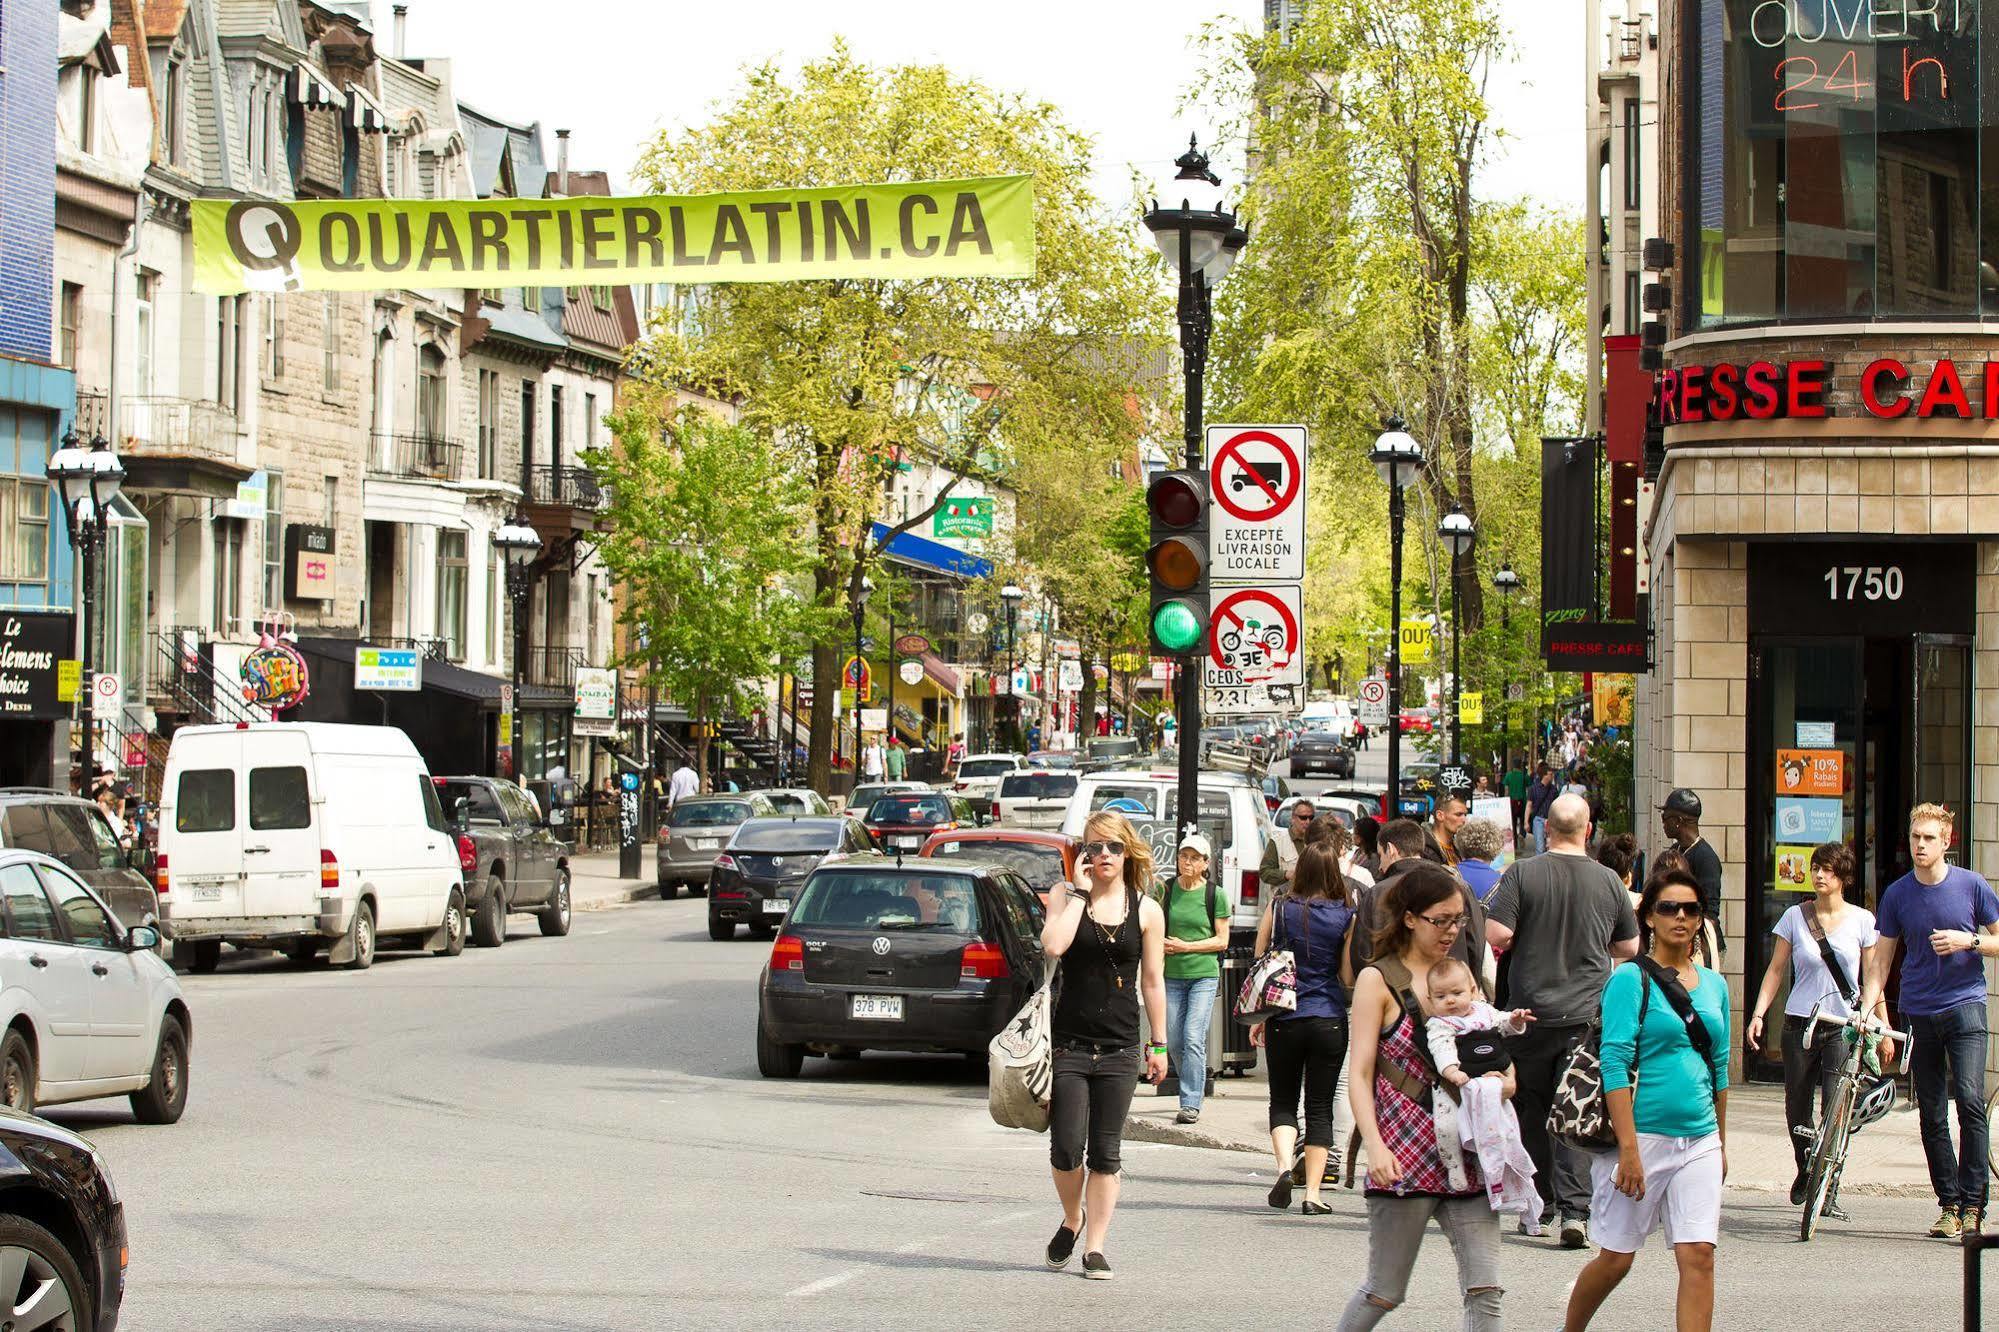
[(701, 533), (846, 378)]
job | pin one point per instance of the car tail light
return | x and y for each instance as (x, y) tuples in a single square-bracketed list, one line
[(160, 874), (788, 953), (982, 961), (468, 854), (329, 869), (1252, 887), (997, 816), (725, 861)]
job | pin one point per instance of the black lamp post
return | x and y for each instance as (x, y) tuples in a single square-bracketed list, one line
[(519, 545), (1012, 595), (1201, 243), (867, 589), (88, 480), (1398, 458), (1508, 583), (1457, 533)]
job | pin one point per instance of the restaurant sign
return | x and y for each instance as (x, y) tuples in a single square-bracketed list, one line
[(33, 645), (1889, 390)]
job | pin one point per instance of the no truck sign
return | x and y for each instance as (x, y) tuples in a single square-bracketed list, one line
[(1256, 532)]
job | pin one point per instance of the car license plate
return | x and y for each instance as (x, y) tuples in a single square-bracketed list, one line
[(878, 1007), (707, 843), (206, 892), (906, 843), (777, 906)]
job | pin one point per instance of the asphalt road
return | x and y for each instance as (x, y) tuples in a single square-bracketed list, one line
[(572, 1134)]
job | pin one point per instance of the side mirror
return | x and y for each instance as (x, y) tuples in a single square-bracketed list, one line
[(141, 938)]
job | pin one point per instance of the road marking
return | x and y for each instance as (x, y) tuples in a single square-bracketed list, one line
[(824, 1284)]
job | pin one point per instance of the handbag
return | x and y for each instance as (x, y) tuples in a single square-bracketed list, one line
[(1020, 1063), (1578, 1115), (1271, 988)]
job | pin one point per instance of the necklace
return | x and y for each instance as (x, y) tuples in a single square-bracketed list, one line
[(1106, 938)]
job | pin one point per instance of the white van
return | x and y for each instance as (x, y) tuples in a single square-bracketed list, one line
[(303, 835), (1233, 815)]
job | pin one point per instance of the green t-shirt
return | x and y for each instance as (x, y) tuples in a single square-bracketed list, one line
[(1187, 918), (1516, 784)]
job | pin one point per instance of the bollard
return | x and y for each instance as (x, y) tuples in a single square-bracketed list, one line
[(1974, 1247)]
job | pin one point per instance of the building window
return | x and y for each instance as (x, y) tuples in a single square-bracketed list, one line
[(228, 350), (451, 591), (330, 510), (228, 574), (1631, 302), (430, 392), (84, 107), (493, 295), (527, 428), (329, 333), (589, 421), (601, 297), (531, 299), (489, 424), (555, 424), (592, 621), (274, 540), (170, 105), (1634, 155), (72, 312), (142, 312), (24, 512), (274, 339)]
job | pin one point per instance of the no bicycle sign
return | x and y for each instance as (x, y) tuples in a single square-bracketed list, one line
[(1254, 639), (1256, 475)]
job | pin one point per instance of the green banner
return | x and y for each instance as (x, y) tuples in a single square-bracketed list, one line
[(951, 228), (963, 518)]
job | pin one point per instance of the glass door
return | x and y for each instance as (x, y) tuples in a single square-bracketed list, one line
[(1940, 771)]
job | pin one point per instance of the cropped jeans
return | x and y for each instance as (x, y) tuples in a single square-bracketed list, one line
[(1395, 1229), (1190, 1007)]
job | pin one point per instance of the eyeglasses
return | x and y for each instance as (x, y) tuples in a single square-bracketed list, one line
[(1301, 815), (1091, 850), (1446, 922), (1690, 909)]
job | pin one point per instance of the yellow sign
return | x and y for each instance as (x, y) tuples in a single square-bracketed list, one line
[(69, 679), (923, 229), (1471, 709), (506, 729), (1416, 638), (1611, 703), (1131, 663)]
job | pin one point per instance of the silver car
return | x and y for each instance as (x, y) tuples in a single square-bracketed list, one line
[(695, 832), (798, 800)]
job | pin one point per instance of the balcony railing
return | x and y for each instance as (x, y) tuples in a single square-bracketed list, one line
[(419, 456), (551, 667), (155, 426), (566, 487), (431, 649)]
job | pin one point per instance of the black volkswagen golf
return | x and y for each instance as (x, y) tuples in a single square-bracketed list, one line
[(752, 883), (62, 1230), (915, 955)]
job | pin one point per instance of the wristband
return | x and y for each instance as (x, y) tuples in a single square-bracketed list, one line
[(1156, 1048)]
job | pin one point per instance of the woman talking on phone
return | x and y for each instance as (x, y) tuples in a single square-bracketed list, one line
[(1111, 938)]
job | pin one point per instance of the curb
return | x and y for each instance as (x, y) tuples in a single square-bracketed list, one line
[(617, 897)]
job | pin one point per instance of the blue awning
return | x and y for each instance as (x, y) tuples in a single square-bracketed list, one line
[(913, 549)]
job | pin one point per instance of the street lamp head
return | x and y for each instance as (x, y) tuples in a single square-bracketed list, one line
[(1506, 580), (69, 469), (1457, 530), (1396, 455), (107, 473), (1012, 595), (517, 543), (1212, 238)]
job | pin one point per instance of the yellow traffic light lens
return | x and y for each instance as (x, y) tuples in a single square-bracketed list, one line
[(1176, 627), (1177, 564)]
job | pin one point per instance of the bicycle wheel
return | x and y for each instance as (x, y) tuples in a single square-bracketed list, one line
[(1828, 1156)]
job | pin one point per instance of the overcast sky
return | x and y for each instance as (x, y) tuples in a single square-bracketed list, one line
[(613, 71)]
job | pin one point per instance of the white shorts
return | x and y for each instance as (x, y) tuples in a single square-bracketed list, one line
[(1682, 1188)]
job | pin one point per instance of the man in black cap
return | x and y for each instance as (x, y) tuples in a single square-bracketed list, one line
[(1680, 816)]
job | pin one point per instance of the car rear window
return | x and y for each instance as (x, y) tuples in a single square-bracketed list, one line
[(931, 903), (708, 814), (790, 804), (784, 837), (481, 804), (910, 809), (205, 801), (1040, 865), (1037, 786), (278, 799), (1105, 793), (985, 767)]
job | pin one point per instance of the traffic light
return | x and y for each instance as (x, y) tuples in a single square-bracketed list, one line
[(1177, 560)]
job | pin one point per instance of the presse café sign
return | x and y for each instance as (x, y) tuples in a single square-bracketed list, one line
[(1802, 390)]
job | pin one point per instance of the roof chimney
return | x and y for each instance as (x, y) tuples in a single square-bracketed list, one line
[(562, 161), (402, 13)]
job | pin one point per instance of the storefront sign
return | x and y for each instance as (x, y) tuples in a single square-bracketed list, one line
[(308, 562), (912, 645), (33, 645), (1881, 588), (960, 518), (596, 701), (397, 670), (910, 672), (1814, 821), (1811, 772), (274, 676), (1069, 675), (1794, 869), (253, 498), (1765, 390), (1580, 645)]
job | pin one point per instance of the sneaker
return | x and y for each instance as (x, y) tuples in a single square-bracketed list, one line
[(1798, 1190), (1061, 1247), (1534, 1228), (1948, 1225), (1188, 1115), (1971, 1221), (1095, 1267), (1575, 1233)]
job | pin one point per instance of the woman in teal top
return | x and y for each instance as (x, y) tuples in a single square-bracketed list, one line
[(1671, 1153)]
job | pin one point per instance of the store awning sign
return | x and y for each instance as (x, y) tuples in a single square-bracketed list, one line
[(33, 645), (1580, 644), (963, 518), (391, 670), (1888, 389)]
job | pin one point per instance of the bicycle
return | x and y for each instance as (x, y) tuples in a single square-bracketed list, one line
[(1852, 1108)]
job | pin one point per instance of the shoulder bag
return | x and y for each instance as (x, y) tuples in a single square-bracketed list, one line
[(1834, 967), (1578, 1115), (1271, 988), (1020, 1063)]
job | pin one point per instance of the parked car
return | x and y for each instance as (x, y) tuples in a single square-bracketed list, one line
[(76, 832), (978, 775), (1033, 799), (1057, 760), (1232, 814), (797, 800), (1346, 809), (302, 836), (1321, 751), (695, 832), (767, 859), (1418, 722), (62, 1230), (927, 954), (901, 822), (509, 857), (1275, 792), (868, 792), (1042, 858), (1104, 750), (88, 1008)]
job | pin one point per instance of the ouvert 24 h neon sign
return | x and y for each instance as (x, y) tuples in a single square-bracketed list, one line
[(1802, 390)]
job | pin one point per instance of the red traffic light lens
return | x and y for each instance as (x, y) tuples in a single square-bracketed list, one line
[(1176, 563), (1174, 501)]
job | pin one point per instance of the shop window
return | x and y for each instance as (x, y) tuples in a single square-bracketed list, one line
[(205, 801), (24, 510), (228, 568), (279, 799)]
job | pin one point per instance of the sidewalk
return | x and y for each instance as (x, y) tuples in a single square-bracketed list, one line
[(1884, 1159), (594, 884)]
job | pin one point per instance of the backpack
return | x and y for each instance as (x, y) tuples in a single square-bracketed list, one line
[(1020, 1063)]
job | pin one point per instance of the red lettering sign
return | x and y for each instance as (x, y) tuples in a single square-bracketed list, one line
[(1760, 382), (1805, 384), (1895, 374), (1945, 389), (1763, 390)]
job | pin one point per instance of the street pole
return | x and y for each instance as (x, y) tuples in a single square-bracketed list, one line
[(1196, 321), (1395, 516), (889, 662), (1012, 698), (1457, 677), (860, 671)]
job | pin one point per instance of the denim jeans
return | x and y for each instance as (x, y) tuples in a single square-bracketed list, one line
[(1088, 1104), (1950, 1066), (1540, 835), (1190, 1006), (1395, 1229)]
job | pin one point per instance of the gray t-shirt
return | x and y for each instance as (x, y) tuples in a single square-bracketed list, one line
[(1565, 911)]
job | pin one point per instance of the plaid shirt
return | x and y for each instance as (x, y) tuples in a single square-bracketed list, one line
[(1408, 1129)]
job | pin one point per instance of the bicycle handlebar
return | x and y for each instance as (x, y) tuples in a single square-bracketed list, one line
[(1859, 1023)]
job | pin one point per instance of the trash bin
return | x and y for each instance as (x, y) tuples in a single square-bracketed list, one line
[(1229, 1050)]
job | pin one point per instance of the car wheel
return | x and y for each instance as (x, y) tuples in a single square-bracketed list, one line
[(668, 889), (489, 926), (203, 956), (454, 925), (161, 1100), (362, 935), (720, 929), (775, 1059), (17, 1073), (51, 1283), (555, 916)]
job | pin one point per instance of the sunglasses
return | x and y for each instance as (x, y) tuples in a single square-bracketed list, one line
[(1446, 922), (1691, 910), (1091, 850)]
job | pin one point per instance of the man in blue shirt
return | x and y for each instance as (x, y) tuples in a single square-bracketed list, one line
[(1950, 917)]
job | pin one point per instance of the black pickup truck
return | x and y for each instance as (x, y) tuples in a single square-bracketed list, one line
[(511, 859)]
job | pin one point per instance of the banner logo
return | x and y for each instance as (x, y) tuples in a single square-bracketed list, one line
[(264, 237)]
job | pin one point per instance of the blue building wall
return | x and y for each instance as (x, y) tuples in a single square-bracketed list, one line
[(27, 176)]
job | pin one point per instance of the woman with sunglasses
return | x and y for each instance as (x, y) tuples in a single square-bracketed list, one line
[(1111, 937), (1422, 911), (1672, 1152)]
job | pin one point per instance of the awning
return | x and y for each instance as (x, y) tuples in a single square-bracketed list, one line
[(313, 86), (927, 554), (365, 114), (946, 678)]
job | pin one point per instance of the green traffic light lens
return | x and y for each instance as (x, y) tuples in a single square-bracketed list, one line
[(1176, 627)]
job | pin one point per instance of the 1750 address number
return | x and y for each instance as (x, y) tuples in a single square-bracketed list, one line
[(1873, 582)]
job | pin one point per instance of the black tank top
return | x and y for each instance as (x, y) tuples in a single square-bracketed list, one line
[(1093, 1006)]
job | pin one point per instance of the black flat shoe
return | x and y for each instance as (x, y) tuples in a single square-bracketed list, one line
[(1312, 1207), (1798, 1190), (1280, 1193)]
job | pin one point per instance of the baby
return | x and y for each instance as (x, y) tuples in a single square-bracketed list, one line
[(1467, 1044)]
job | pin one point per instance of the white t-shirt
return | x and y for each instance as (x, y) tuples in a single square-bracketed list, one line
[(1810, 982)]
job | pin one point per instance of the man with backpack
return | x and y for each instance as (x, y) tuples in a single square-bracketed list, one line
[(1197, 932)]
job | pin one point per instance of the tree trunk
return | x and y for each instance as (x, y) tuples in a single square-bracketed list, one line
[(1086, 718)]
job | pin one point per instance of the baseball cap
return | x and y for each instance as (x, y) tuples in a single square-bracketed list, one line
[(1196, 842), (1682, 801)]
